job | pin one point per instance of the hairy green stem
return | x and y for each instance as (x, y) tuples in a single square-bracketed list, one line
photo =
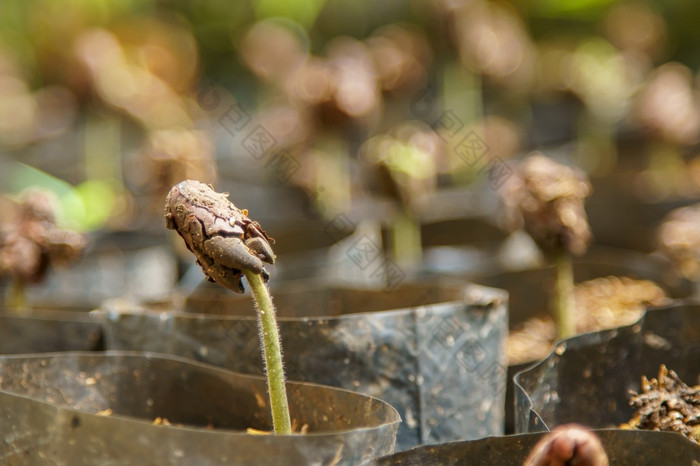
[(564, 294), (269, 336)]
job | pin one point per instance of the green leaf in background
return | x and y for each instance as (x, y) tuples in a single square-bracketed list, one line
[(573, 9), (97, 198), (85, 207), (410, 160), (302, 11)]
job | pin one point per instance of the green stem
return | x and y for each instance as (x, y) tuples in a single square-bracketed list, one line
[(17, 297), (464, 91), (406, 238), (564, 292), (596, 150), (270, 339)]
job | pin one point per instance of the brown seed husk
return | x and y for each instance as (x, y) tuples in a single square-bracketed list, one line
[(202, 217)]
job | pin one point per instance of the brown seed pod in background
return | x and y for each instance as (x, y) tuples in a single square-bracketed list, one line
[(172, 155), (678, 238), (402, 57), (272, 50), (667, 105), (31, 241), (221, 236), (493, 41), (547, 199), (22, 258)]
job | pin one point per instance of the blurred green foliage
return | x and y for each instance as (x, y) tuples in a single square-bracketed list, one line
[(65, 64)]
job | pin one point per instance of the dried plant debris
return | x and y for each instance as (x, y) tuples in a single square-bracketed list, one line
[(666, 404), (568, 444), (30, 239), (601, 303), (221, 236), (547, 199), (161, 421)]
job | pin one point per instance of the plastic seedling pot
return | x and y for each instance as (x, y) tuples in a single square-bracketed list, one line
[(114, 265), (435, 353), (587, 379), (622, 215), (529, 292), (39, 331), (458, 217), (103, 408), (624, 448)]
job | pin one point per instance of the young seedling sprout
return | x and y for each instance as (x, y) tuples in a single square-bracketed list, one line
[(406, 161), (548, 200), (228, 245), (31, 241)]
